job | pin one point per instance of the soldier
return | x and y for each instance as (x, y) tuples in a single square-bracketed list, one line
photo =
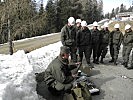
[(84, 42), (115, 41), (78, 24), (104, 42), (58, 76), (95, 34), (68, 38), (127, 46)]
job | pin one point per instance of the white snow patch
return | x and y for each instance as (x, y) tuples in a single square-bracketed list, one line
[(17, 78)]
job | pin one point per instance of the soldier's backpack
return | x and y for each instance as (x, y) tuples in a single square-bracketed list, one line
[(81, 92)]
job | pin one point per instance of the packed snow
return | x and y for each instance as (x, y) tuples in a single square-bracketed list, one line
[(17, 72)]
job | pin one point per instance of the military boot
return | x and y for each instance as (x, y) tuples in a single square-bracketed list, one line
[(123, 63), (97, 61), (126, 64), (112, 60), (131, 67), (94, 60), (101, 61), (115, 62)]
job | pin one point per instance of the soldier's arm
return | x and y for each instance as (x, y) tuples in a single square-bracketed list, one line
[(77, 38), (110, 37), (72, 66), (121, 39), (63, 36)]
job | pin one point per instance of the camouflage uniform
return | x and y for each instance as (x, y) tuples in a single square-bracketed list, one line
[(95, 34), (68, 38), (58, 75), (84, 44), (104, 44), (116, 38), (127, 47)]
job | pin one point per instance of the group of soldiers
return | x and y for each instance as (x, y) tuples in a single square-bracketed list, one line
[(81, 40), (77, 39)]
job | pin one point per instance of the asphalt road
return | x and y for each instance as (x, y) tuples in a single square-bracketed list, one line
[(31, 43), (115, 82)]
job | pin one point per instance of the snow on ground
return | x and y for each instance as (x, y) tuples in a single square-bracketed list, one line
[(17, 78)]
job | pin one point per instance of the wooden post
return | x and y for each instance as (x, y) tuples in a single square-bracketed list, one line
[(9, 37), (9, 29)]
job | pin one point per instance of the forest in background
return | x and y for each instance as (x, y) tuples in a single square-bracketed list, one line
[(27, 19)]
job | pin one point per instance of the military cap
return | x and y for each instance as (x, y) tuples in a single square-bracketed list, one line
[(64, 49)]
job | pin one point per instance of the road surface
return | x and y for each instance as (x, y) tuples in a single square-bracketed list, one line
[(31, 43)]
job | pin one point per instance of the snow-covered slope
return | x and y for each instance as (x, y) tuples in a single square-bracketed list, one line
[(17, 79)]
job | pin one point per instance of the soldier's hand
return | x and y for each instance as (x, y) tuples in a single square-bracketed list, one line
[(78, 63), (75, 75)]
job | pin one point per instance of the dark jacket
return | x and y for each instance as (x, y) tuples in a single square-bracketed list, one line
[(59, 71), (96, 36), (68, 35), (128, 38), (84, 37), (116, 37), (105, 36)]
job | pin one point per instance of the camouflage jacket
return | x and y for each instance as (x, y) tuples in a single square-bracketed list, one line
[(84, 37), (116, 37), (128, 38), (68, 35), (95, 36), (105, 36), (59, 70)]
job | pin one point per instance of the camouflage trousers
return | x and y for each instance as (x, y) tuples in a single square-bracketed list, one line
[(126, 52)]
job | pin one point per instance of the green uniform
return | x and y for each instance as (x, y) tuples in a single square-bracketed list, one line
[(104, 43), (127, 46), (116, 38), (95, 34), (68, 38), (84, 44), (58, 75)]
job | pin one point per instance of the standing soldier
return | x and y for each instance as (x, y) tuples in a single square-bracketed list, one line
[(104, 42), (84, 42), (116, 37), (127, 46), (78, 24), (95, 34), (68, 38)]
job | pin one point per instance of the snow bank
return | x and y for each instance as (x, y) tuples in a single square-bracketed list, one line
[(17, 78), (41, 58)]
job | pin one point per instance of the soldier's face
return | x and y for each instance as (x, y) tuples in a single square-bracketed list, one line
[(128, 30), (95, 27), (66, 56), (78, 24)]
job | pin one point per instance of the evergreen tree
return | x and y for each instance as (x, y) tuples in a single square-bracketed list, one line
[(117, 10), (100, 9), (41, 10), (113, 13), (122, 8), (51, 16), (107, 15), (65, 11)]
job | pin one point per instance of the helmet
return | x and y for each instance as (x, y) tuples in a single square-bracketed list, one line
[(127, 27), (71, 21), (78, 20), (106, 24), (102, 26), (83, 23), (117, 26), (95, 24)]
